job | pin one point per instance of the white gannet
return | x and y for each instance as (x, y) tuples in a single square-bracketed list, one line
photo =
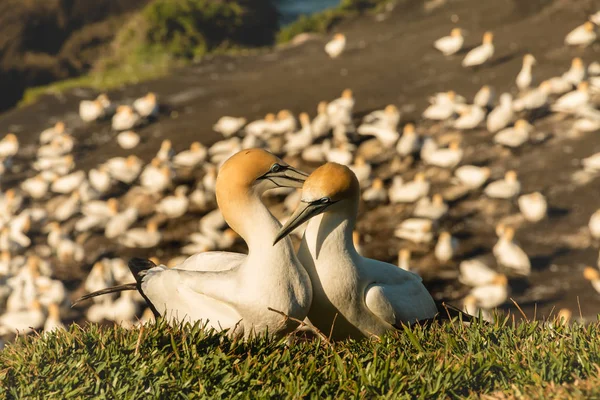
[(125, 170), (23, 321), (53, 321), (505, 188), (448, 157), (361, 169), (469, 117), (128, 140), (336, 46), (501, 116), (229, 126), (484, 98), (410, 142), (514, 136), (573, 101), (297, 141), (594, 224), (524, 78), (472, 176), (576, 73), (156, 177), (285, 123), (433, 208), (533, 206), (192, 157), (320, 124), (9, 145), (222, 150), (49, 134), (445, 248), (97, 213), (100, 277), (404, 259), (593, 275), (534, 98), (441, 107), (376, 193), (166, 151), (510, 255), (91, 110), (123, 310), (480, 54), (36, 187), (417, 230), (142, 238), (339, 110), (491, 295), (260, 127), (475, 273), (68, 183), (100, 179), (583, 35), (174, 206), (231, 290), (353, 296), (146, 106), (409, 192), (593, 69), (389, 118), (125, 119), (67, 207), (451, 44), (120, 223)]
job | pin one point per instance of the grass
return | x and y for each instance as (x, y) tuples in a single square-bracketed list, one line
[(501, 360)]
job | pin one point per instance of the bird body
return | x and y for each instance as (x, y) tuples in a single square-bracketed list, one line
[(480, 54), (451, 44)]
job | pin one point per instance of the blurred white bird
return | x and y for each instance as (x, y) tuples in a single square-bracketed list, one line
[(480, 54), (451, 44), (336, 46)]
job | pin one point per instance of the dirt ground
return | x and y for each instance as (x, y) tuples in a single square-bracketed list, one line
[(390, 59)]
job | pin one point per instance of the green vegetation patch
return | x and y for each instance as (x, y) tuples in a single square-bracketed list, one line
[(439, 361)]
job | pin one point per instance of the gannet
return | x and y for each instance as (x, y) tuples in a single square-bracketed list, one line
[(58, 165), (336, 46), (475, 273), (524, 78), (229, 126), (409, 192), (230, 290), (361, 169), (192, 157), (53, 321), (451, 44), (510, 255), (404, 259), (388, 118), (260, 127), (484, 98), (23, 321), (583, 35), (448, 157), (491, 295), (469, 117), (417, 230), (298, 141), (320, 124), (156, 177), (480, 54), (533, 99), (472, 176), (36, 187), (49, 134), (68, 183), (142, 238), (120, 223), (593, 69), (446, 247), (591, 163), (533, 206), (123, 310), (125, 119), (91, 110), (433, 208), (410, 142), (353, 296), (100, 179), (174, 206), (576, 73), (501, 116), (573, 101), (285, 123), (97, 214), (222, 150), (340, 154), (505, 188), (514, 136), (146, 106), (125, 170), (593, 275), (339, 110), (376, 193), (128, 140), (9, 145), (441, 107)]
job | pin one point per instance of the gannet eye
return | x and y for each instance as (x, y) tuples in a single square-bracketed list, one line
[(325, 200), (276, 168)]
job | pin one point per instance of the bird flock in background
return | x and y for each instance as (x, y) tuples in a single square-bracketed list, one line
[(49, 219)]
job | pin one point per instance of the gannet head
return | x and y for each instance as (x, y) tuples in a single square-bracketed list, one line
[(529, 59), (591, 274), (589, 26), (583, 86), (322, 107), (488, 37), (577, 63), (330, 185), (59, 127), (11, 137), (347, 94), (196, 147), (391, 109), (270, 117), (409, 129), (256, 169), (339, 36), (456, 32)]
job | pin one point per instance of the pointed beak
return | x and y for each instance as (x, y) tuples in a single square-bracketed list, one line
[(303, 213), (288, 177)]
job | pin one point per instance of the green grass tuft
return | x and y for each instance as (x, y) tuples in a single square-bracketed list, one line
[(443, 361)]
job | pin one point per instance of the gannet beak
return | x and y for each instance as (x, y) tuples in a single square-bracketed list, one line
[(304, 212), (286, 176)]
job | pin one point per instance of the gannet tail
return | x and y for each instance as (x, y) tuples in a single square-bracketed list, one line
[(114, 289)]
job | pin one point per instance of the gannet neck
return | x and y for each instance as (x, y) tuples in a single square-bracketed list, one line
[(329, 235)]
